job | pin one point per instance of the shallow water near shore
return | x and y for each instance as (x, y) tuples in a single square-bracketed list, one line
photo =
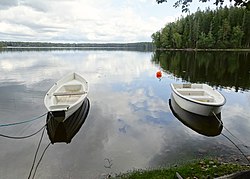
[(130, 124)]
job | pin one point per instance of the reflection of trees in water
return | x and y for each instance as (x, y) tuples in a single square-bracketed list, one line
[(228, 69)]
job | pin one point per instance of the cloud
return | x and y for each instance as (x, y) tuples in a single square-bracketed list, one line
[(85, 21), (80, 21), (37, 5), (8, 3)]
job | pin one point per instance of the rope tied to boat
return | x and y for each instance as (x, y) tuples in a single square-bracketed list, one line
[(39, 144), (27, 136), (229, 131), (231, 140), (22, 137), (22, 122), (36, 153)]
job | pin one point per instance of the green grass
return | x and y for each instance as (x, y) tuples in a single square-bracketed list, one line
[(198, 169)]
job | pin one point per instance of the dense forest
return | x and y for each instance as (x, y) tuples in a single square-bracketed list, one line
[(210, 29)]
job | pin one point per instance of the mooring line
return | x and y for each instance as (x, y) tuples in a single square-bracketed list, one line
[(22, 122), (39, 144), (231, 140), (236, 147), (40, 159), (229, 131), (34, 160), (22, 137)]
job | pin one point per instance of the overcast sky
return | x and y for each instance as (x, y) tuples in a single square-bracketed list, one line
[(82, 21)]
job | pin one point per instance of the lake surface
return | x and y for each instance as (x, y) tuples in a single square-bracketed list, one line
[(130, 124)]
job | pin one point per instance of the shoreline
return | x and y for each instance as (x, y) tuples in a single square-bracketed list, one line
[(203, 168), (203, 50)]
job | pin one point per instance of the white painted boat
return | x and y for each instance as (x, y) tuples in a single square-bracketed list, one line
[(67, 94), (200, 99)]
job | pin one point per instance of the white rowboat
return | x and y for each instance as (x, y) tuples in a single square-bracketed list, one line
[(198, 98), (67, 94)]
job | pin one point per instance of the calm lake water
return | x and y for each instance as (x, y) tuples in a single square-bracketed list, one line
[(130, 124)]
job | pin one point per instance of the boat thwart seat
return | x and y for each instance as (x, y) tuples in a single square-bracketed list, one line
[(68, 93), (204, 98), (192, 92)]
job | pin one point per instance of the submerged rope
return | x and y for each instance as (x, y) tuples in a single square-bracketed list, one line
[(40, 159), (236, 147), (34, 160), (229, 131), (22, 122), (27, 136), (231, 140), (22, 137), (36, 153)]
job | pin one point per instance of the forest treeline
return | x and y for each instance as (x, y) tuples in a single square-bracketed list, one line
[(210, 29), (136, 45)]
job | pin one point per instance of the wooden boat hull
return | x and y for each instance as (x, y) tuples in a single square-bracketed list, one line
[(194, 100), (205, 125), (67, 94), (60, 130)]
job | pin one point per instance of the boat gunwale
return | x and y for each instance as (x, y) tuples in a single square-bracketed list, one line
[(198, 102)]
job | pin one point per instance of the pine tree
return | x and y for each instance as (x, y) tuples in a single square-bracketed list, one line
[(221, 28)]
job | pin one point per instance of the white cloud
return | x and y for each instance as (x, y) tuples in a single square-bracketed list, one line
[(8, 3), (79, 20), (84, 21)]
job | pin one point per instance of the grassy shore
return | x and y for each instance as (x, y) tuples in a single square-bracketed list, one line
[(207, 168)]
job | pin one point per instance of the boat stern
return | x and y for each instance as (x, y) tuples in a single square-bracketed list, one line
[(59, 116)]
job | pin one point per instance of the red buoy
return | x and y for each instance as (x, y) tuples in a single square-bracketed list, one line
[(158, 74)]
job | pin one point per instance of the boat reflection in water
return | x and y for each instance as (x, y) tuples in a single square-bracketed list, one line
[(60, 130), (205, 125)]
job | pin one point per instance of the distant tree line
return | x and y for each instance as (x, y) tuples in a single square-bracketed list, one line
[(210, 29), (1, 44), (138, 45)]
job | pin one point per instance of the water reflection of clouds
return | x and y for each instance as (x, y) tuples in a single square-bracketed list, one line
[(129, 120), (104, 137), (97, 66), (132, 139), (236, 115), (114, 128)]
